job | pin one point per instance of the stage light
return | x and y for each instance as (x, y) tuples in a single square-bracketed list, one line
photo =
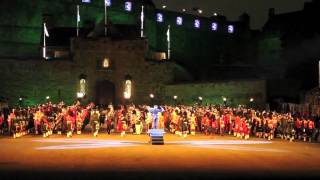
[(179, 20), (175, 97), (214, 26), (151, 96), (251, 99), (197, 23), (183, 10), (200, 98), (159, 17), (230, 29), (200, 11), (48, 97), (164, 6), (86, 1), (20, 99), (215, 14), (224, 99), (128, 6)]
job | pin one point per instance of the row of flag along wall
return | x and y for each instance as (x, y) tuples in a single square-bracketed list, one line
[(128, 6)]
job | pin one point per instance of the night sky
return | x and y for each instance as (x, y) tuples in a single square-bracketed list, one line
[(257, 9)]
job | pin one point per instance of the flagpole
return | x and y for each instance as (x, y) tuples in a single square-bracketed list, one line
[(77, 20), (168, 39), (44, 41), (142, 21), (105, 19)]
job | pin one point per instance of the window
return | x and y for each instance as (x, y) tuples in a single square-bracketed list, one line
[(230, 29), (127, 89), (106, 63), (159, 17), (197, 23), (83, 86), (128, 6), (214, 26), (179, 21)]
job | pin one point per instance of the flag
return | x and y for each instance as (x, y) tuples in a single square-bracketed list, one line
[(107, 2), (142, 14), (45, 30), (168, 34), (78, 14)]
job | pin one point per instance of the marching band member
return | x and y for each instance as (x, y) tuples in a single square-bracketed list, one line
[(95, 123), (1, 122), (311, 127), (184, 124), (37, 120), (109, 119), (193, 124), (79, 121)]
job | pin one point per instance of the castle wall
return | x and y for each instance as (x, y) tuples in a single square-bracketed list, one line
[(35, 79), (236, 92)]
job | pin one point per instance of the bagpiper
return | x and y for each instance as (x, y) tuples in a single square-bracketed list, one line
[(95, 124)]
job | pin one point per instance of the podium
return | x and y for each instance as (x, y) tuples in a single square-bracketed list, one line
[(156, 136)]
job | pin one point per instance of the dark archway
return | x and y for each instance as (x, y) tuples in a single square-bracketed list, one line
[(105, 92)]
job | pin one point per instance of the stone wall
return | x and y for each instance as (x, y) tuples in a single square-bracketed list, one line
[(236, 92), (35, 79)]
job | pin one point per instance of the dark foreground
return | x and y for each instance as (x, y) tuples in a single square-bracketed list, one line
[(131, 157)]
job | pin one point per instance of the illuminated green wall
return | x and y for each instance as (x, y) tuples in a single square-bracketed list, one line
[(20, 31), (236, 92)]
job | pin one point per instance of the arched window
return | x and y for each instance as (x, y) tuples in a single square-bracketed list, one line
[(106, 63), (82, 84), (127, 87)]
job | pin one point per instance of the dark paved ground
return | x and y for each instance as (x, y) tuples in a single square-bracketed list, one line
[(131, 157)]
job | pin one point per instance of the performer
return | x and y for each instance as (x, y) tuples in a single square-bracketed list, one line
[(123, 125), (222, 125), (298, 128), (259, 130), (79, 121), (59, 120), (10, 120), (193, 124), (1, 122), (149, 120), (138, 123), (184, 124), (246, 131), (174, 121), (70, 123), (109, 119), (45, 126), (154, 111), (161, 120), (16, 125), (310, 131), (236, 126), (95, 124), (305, 123), (37, 120)]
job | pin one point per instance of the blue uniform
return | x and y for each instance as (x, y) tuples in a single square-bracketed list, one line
[(154, 111)]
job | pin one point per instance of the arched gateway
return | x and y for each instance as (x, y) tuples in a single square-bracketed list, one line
[(105, 92)]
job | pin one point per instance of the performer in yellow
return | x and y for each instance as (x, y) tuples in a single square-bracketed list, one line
[(137, 122), (193, 124), (161, 120)]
